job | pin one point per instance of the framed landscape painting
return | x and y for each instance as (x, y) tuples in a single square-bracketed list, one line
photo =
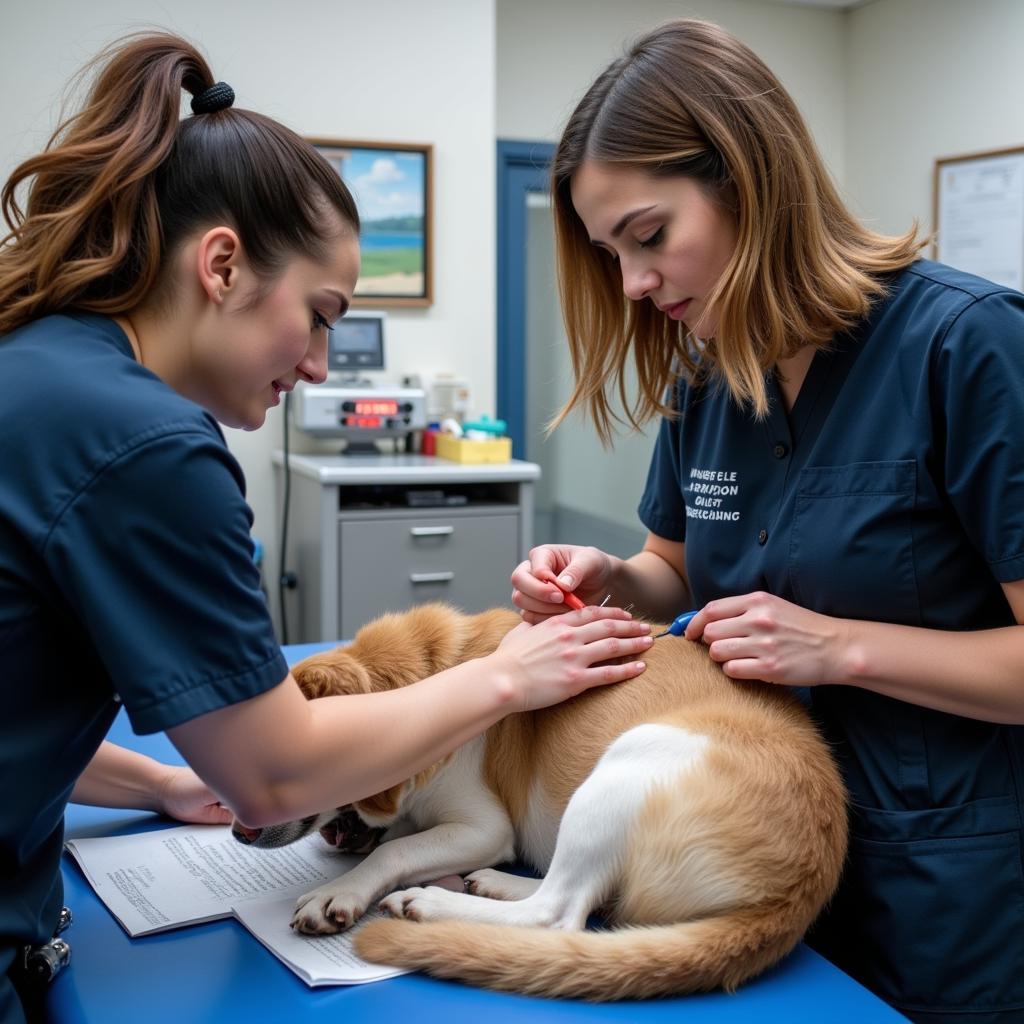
[(391, 184)]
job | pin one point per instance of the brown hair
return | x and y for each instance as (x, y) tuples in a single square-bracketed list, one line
[(124, 181), (689, 99)]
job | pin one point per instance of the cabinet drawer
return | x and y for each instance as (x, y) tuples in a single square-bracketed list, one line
[(389, 565)]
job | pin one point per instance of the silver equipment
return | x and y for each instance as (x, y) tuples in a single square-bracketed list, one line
[(358, 413)]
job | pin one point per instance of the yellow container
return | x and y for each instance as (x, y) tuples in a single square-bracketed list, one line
[(458, 449)]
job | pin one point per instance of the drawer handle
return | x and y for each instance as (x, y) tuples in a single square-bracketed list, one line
[(431, 531), (431, 577)]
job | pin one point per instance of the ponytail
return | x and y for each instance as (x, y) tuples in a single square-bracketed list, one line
[(124, 181)]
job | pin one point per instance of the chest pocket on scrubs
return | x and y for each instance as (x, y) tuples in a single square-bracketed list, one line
[(851, 549)]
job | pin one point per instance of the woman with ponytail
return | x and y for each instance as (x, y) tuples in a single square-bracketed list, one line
[(163, 273)]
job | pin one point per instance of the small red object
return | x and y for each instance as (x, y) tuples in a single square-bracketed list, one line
[(568, 597)]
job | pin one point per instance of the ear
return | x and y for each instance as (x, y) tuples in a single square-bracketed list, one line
[(218, 262), (329, 674)]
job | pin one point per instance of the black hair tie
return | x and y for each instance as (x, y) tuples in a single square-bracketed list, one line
[(219, 96)]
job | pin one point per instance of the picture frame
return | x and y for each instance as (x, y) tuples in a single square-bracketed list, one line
[(392, 184), (978, 214)]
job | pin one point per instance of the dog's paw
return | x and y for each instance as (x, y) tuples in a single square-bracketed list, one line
[(500, 885), (394, 903), (418, 903), (327, 911)]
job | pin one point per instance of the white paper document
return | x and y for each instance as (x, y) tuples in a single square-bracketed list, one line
[(981, 217), (155, 881)]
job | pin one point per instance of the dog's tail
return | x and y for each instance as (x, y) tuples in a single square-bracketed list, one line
[(627, 963)]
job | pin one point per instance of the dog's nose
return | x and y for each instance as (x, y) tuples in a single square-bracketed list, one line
[(245, 835)]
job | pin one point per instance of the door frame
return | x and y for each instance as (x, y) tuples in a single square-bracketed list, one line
[(523, 167)]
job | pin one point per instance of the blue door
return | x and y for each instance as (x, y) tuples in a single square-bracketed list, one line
[(523, 168)]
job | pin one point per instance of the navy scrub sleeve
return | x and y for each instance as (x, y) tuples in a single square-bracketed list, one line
[(167, 588), (892, 491)]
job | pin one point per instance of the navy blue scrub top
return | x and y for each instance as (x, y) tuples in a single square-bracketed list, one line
[(126, 574), (893, 491)]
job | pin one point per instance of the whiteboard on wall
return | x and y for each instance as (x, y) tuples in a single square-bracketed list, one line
[(979, 214)]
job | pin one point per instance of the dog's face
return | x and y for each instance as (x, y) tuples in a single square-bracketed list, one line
[(341, 828), (392, 651), (327, 674), (321, 675)]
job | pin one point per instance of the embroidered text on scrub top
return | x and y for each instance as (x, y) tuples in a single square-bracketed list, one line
[(708, 493)]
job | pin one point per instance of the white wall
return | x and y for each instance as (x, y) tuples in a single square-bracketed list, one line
[(927, 79), (548, 53), (394, 71)]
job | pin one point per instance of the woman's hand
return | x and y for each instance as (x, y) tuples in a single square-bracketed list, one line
[(183, 795), (583, 571), (759, 636), (557, 658), (118, 777)]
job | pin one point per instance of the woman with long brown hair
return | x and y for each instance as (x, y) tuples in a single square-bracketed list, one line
[(837, 487), (163, 273)]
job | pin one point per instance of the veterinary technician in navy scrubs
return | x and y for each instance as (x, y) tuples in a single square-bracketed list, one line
[(838, 485), (167, 273)]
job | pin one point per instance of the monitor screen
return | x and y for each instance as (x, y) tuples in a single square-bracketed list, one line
[(357, 343)]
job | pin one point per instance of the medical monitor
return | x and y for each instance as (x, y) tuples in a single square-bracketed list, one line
[(357, 343)]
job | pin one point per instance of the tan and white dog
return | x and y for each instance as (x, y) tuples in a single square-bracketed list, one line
[(704, 817)]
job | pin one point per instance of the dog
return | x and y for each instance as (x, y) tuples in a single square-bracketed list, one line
[(704, 817)]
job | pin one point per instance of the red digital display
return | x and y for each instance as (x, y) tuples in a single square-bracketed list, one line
[(375, 407), (369, 422)]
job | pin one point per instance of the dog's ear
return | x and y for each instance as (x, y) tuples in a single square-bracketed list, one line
[(329, 674), (383, 805)]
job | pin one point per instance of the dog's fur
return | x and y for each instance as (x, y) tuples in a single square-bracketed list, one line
[(704, 814)]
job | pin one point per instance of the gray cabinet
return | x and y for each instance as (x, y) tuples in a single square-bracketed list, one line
[(462, 556), (360, 543)]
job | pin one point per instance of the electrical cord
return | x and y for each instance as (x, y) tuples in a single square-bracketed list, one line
[(285, 580)]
